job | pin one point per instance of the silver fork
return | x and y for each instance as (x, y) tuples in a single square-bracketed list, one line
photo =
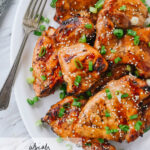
[(30, 22)]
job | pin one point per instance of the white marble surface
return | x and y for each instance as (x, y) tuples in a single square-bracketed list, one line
[(11, 124)]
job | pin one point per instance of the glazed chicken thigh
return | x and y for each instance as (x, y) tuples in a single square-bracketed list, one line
[(128, 46), (45, 65), (63, 122), (81, 66), (115, 113), (66, 9)]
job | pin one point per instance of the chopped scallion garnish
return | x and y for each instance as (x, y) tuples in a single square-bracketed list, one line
[(117, 60), (103, 50), (42, 27), (37, 33), (133, 117), (83, 39), (123, 8), (53, 3), (88, 26), (90, 66), (77, 80), (118, 33), (93, 10), (61, 112), (43, 77), (124, 128), (136, 40), (30, 80), (124, 95), (108, 94), (42, 51), (131, 32), (138, 125), (78, 64)]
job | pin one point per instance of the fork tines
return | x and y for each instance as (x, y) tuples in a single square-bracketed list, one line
[(35, 10)]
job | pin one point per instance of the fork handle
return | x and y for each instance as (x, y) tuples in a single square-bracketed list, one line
[(5, 92)]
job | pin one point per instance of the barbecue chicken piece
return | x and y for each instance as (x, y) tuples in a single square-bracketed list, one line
[(81, 67), (72, 30), (62, 118), (115, 113), (45, 65), (129, 49), (66, 9), (124, 13)]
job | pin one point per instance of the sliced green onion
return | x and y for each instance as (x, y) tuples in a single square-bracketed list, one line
[(46, 20), (77, 104), (103, 50), (124, 95), (123, 8), (42, 52), (42, 27), (37, 33), (62, 95), (35, 99), (113, 51), (30, 80), (136, 73), (133, 117), (108, 94), (136, 40), (109, 131), (117, 60), (101, 140), (77, 80), (43, 77), (99, 4), (78, 64), (90, 66), (83, 39), (38, 123), (63, 87), (53, 3), (59, 140), (88, 26), (118, 33), (148, 9), (88, 144), (61, 112), (93, 10), (124, 128), (128, 68), (60, 74), (107, 114), (148, 44), (31, 69), (31, 102), (131, 32), (88, 93), (147, 129), (138, 125)]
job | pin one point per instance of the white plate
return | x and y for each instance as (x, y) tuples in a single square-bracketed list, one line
[(23, 91)]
